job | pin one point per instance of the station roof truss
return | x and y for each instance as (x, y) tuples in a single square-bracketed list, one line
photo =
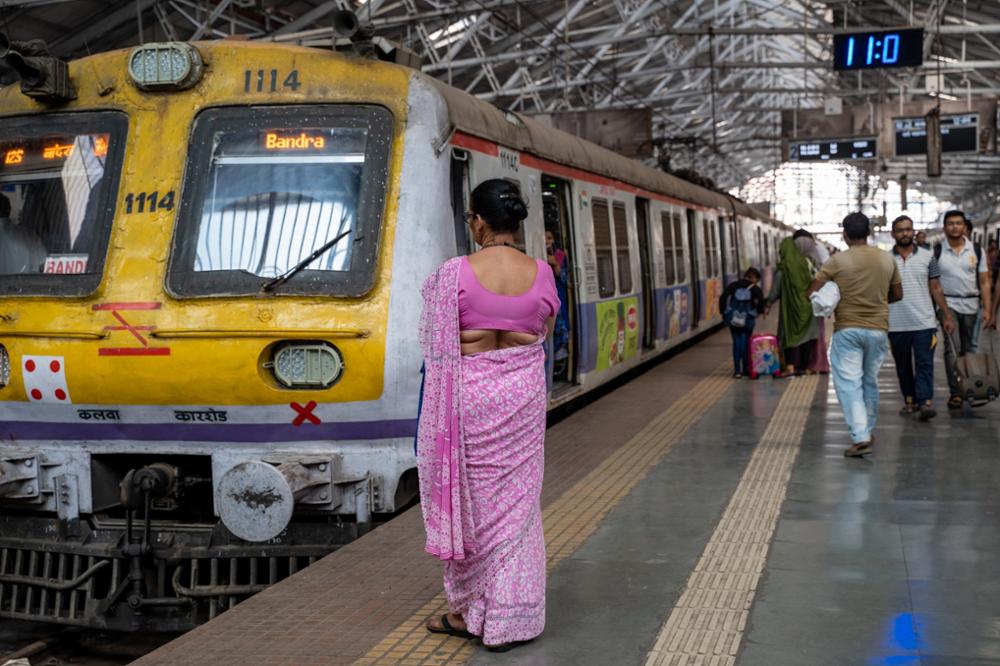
[(716, 74)]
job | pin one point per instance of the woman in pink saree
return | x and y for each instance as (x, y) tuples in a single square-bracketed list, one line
[(482, 427)]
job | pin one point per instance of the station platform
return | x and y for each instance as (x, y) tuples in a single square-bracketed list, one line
[(691, 518)]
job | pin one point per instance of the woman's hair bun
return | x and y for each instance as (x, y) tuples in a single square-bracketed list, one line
[(500, 204), (514, 206)]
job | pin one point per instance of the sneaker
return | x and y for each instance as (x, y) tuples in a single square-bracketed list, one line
[(926, 412), (859, 450), (737, 375), (907, 410)]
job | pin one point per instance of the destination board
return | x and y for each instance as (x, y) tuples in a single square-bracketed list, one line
[(959, 134), (833, 149)]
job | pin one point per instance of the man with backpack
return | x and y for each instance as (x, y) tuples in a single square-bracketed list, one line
[(740, 304), (965, 280)]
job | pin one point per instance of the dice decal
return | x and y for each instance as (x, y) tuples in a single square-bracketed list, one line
[(45, 379)]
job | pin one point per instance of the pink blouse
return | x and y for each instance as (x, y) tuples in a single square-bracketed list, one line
[(481, 309)]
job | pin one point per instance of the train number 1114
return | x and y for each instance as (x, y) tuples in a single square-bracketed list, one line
[(266, 80), (148, 202)]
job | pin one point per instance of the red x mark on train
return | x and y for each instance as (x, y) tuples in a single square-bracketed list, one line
[(305, 413), (136, 331)]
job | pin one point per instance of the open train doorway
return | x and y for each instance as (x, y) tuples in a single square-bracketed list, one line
[(646, 268), (559, 253)]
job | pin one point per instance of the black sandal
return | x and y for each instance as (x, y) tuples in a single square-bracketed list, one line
[(505, 647), (446, 628)]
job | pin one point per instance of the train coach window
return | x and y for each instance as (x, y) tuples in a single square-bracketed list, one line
[(667, 227), (268, 188), (605, 250), (58, 176), (621, 243), (680, 255)]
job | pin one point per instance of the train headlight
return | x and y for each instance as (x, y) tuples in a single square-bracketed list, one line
[(165, 66), (4, 367), (316, 365)]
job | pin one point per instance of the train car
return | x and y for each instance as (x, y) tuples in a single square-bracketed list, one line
[(211, 260)]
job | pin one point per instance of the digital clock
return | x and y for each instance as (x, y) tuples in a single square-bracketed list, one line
[(883, 48)]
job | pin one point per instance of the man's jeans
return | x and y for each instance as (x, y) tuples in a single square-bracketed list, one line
[(961, 342), (856, 354), (913, 352)]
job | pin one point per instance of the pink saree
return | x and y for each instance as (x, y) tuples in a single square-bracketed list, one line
[(480, 456)]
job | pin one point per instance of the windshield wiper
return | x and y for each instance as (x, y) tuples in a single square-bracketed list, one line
[(290, 273)]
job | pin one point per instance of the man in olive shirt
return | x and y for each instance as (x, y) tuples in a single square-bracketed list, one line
[(868, 280)]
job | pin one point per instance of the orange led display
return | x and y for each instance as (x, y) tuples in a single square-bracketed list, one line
[(57, 151), (302, 141), (101, 145), (14, 156)]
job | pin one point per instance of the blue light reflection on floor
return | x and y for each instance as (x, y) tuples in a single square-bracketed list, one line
[(901, 636)]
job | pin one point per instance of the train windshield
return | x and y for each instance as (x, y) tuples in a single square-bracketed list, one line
[(58, 176), (268, 187)]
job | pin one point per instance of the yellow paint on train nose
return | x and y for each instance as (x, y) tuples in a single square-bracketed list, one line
[(208, 350)]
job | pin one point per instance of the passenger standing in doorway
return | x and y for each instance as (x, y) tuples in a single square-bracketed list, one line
[(481, 435), (556, 259), (797, 326), (912, 324), (965, 279), (740, 304), (868, 280)]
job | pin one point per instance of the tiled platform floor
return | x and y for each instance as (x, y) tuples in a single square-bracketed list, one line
[(892, 560)]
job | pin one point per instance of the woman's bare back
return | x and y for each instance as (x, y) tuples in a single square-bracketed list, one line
[(508, 272)]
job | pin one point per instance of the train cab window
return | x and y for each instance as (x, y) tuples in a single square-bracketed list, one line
[(58, 179), (667, 228), (269, 188), (604, 248), (680, 254), (622, 249), (711, 243)]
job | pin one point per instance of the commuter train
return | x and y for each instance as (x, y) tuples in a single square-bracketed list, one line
[(211, 261)]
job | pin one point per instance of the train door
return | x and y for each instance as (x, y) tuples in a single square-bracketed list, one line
[(646, 269), (559, 224), (694, 306), (461, 193)]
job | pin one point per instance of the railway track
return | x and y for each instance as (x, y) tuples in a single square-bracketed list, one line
[(48, 645)]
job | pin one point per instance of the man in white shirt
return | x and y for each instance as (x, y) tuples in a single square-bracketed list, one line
[(912, 324), (965, 280)]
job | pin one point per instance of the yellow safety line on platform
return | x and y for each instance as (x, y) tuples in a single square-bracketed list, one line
[(568, 521), (706, 626)]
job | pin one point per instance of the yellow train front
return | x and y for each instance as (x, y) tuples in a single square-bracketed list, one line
[(199, 392)]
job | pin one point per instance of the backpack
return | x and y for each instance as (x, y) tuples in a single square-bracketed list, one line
[(740, 309), (979, 258)]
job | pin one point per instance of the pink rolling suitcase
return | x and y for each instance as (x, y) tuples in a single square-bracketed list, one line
[(765, 358)]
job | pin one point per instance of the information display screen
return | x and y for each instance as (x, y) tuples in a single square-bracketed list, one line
[(50, 152), (877, 49), (959, 134), (832, 149)]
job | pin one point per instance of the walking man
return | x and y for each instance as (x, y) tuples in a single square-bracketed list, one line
[(965, 280), (868, 280), (912, 325)]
